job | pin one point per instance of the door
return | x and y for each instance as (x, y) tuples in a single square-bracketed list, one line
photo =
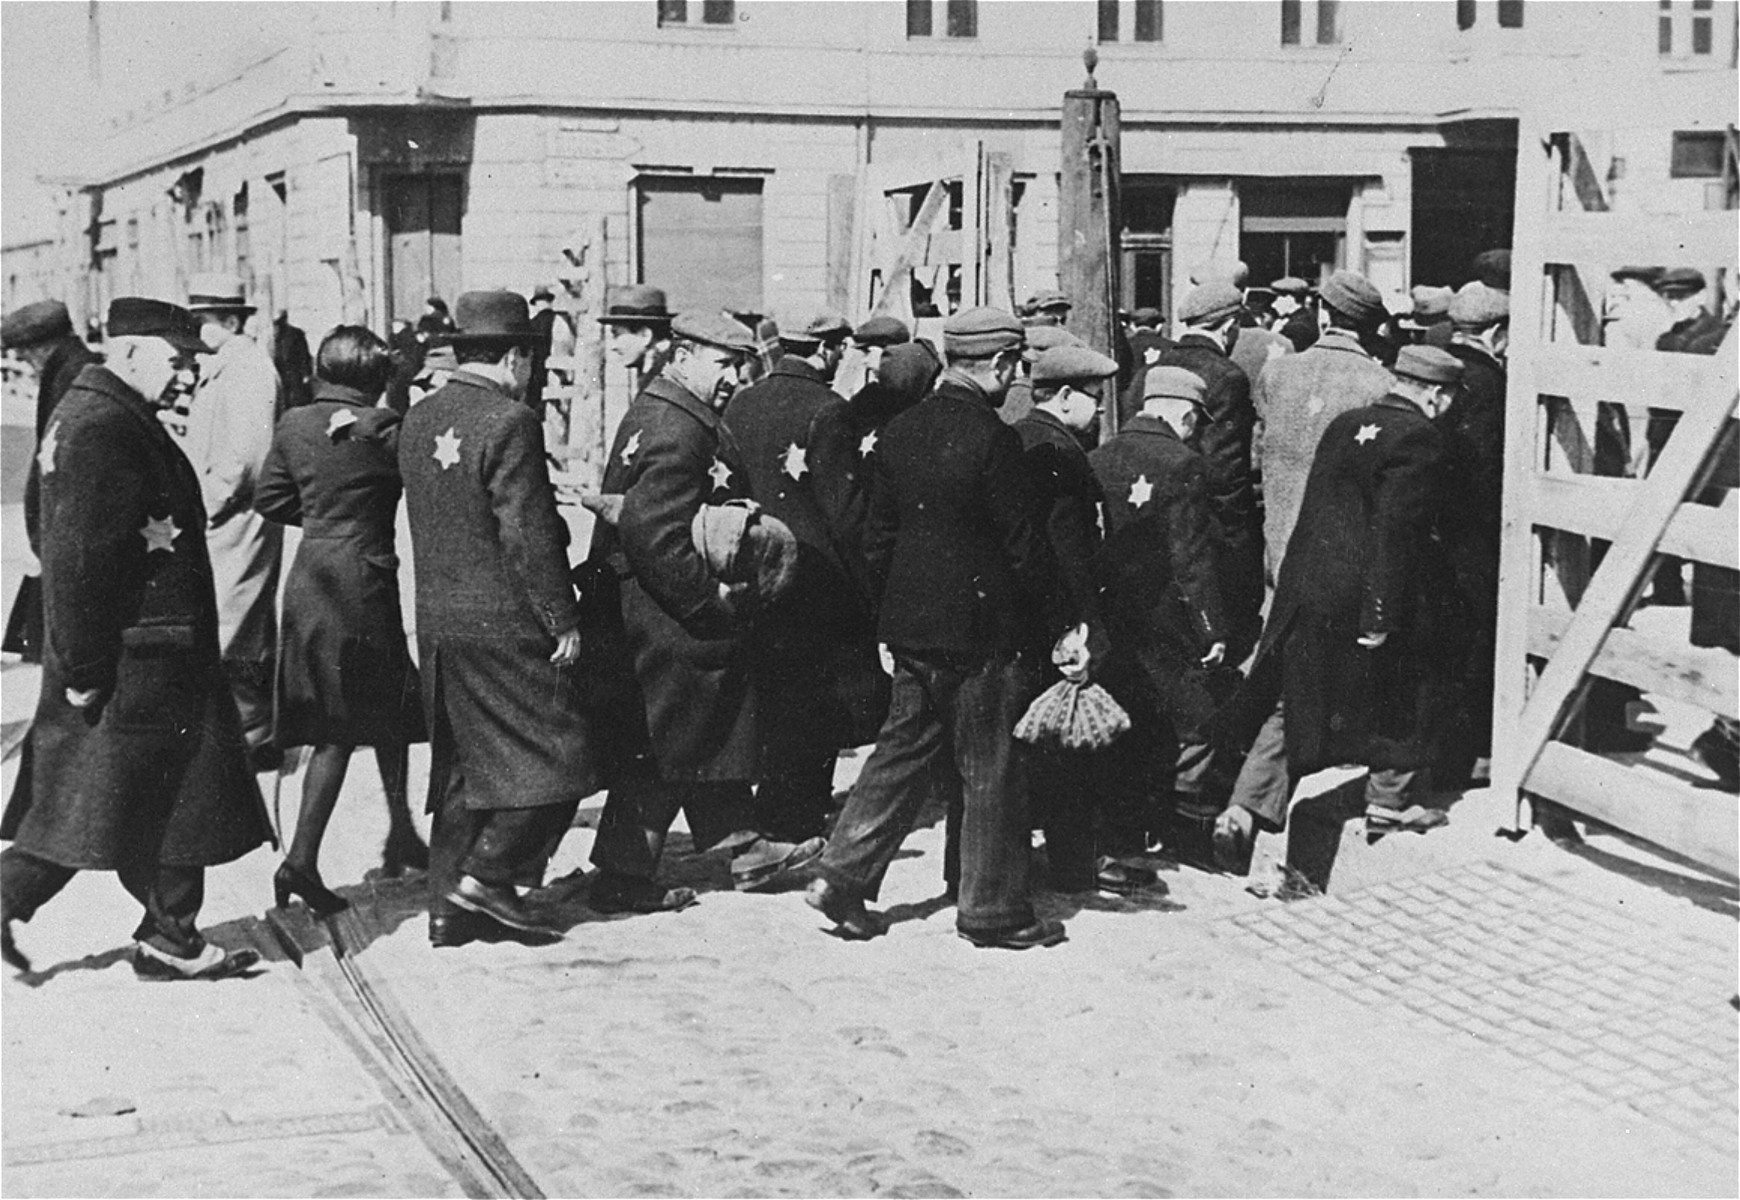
[(424, 213), (1294, 228), (700, 240)]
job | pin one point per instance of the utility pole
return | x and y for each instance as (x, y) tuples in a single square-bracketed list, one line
[(94, 47), (1089, 218)]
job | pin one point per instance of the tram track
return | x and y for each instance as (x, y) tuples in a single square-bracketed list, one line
[(360, 1006)]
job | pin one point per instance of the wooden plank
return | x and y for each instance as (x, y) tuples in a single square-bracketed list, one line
[(999, 231), (1708, 678), (1703, 239), (1621, 375), (1596, 506), (1703, 824), (1658, 498), (1582, 175), (842, 236), (912, 246)]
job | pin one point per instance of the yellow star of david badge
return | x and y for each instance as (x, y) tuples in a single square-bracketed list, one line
[(447, 449), (796, 461), (1141, 492), (160, 534), (867, 446), (631, 449), (1367, 433), (720, 473)]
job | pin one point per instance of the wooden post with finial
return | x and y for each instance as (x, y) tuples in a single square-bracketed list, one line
[(1089, 219)]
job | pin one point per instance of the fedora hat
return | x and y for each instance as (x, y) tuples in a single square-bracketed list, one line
[(492, 317), (217, 291), (637, 304)]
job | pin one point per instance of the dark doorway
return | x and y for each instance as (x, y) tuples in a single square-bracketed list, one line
[(1464, 202), (1147, 243), (1296, 228), (424, 213)]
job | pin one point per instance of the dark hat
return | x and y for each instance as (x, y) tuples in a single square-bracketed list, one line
[(1428, 364), (1476, 306), (492, 316), (1072, 364), (882, 331), (1492, 267), (137, 316), (909, 369), (982, 332), (1146, 316), (1259, 297), (34, 324), (1236, 273), (823, 325), (1647, 275), (1173, 383), (637, 304), (1041, 338), (1352, 295), (1052, 298), (217, 291), (713, 329), (542, 292), (1209, 302), (436, 303), (1289, 285), (1680, 281), (1431, 302)]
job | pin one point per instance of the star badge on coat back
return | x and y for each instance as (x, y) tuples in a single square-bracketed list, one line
[(160, 534), (447, 449), (796, 461), (720, 473), (1367, 433), (50, 447), (1141, 492), (867, 446)]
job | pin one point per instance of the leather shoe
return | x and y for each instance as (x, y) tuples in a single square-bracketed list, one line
[(614, 893), (1040, 933), (851, 919), (1122, 879), (213, 962), (499, 904), (9, 951), (764, 861), (447, 930)]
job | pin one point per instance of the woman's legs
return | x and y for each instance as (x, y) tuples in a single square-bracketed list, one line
[(405, 848), (320, 787)]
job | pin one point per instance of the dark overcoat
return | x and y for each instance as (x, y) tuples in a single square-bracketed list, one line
[(819, 679), (959, 561), (688, 647), (69, 356), (1367, 556), (344, 672), (157, 768), (1067, 502), (1473, 429), (1146, 347), (1157, 567), (493, 595), (1224, 441)]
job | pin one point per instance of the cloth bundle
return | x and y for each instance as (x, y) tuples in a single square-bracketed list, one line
[(1073, 716)]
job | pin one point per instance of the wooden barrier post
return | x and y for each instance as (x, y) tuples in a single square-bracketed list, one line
[(1089, 219)]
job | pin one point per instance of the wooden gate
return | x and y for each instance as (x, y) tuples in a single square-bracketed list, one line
[(1587, 513)]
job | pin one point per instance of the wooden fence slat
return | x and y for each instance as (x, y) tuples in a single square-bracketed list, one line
[(1615, 581), (1618, 375), (1706, 239), (1702, 824), (1596, 506), (1708, 678), (936, 203)]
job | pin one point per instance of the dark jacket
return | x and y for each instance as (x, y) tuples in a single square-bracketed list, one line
[(1473, 429), (69, 357), (688, 647), (159, 760), (1067, 504), (1146, 347), (295, 365), (1301, 328), (1367, 557), (959, 562)]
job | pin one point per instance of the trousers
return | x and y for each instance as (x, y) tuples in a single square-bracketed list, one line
[(1265, 782), (641, 806), (170, 896)]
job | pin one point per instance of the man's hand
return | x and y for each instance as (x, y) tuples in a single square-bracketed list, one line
[(1371, 641), (1071, 655), (83, 699), (1215, 656), (567, 648)]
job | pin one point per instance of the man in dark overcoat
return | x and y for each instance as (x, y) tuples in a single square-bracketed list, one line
[(968, 599), (42, 334), (1082, 839), (817, 638), (689, 741), (1209, 314), (512, 749), (135, 762), (1164, 615), (1360, 647)]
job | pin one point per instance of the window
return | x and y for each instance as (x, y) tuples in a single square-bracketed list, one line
[(1698, 155), (1465, 10), (1328, 21), (962, 17), (700, 238), (1701, 26), (713, 12), (1146, 14), (1688, 29), (239, 227), (1293, 228), (1510, 14)]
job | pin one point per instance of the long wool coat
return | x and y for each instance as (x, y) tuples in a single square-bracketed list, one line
[(157, 769), (493, 594), (688, 648), (344, 672), (1367, 557)]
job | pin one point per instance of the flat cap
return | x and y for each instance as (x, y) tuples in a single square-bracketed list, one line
[(1492, 267), (1051, 298), (1072, 364), (1428, 364), (713, 329), (822, 325), (34, 324), (1645, 274), (1352, 295), (1476, 306), (1041, 338), (1680, 281), (1173, 383), (1209, 302), (1236, 273), (1289, 285), (981, 332), (137, 316), (882, 331), (1146, 317), (1431, 301)]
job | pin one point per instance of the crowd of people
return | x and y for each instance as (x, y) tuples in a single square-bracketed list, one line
[(808, 537)]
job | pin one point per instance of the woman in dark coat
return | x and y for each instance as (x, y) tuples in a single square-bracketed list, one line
[(345, 677)]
